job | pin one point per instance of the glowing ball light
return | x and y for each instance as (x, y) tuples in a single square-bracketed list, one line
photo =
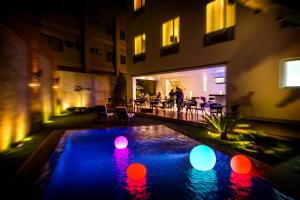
[(136, 171), (121, 142), (240, 164), (202, 158)]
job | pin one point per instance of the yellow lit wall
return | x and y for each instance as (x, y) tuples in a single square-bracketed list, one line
[(14, 106), (219, 15), (140, 44), (138, 4), (100, 89), (170, 32), (46, 89)]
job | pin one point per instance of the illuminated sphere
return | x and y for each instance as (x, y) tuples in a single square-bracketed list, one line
[(121, 142), (136, 171), (202, 158), (240, 164)]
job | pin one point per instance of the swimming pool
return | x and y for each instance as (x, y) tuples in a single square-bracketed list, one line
[(86, 165)]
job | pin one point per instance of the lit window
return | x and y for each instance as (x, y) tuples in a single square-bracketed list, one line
[(138, 4), (140, 44), (170, 32), (220, 14), (290, 73)]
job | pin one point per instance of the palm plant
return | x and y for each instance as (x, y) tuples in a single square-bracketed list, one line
[(79, 89), (221, 125)]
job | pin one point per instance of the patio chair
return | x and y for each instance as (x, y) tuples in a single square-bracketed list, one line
[(122, 114), (216, 108), (138, 103), (202, 108), (154, 103), (100, 113), (191, 105)]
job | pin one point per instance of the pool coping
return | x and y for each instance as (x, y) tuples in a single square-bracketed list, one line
[(21, 184)]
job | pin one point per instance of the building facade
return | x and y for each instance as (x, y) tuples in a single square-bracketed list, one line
[(90, 51), (249, 39), (48, 52)]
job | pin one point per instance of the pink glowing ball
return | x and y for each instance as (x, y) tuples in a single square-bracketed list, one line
[(121, 142)]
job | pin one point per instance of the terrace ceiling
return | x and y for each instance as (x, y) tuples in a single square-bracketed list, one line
[(288, 11)]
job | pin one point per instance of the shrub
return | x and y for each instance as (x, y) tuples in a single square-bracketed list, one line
[(221, 125)]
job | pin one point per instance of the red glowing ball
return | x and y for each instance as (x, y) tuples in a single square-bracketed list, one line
[(136, 171), (240, 164)]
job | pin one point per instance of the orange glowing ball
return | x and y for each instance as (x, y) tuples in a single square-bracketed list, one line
[(240, 164), (136, 171)]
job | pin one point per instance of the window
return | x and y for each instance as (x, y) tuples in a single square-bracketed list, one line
[(123, 59), (170, 32), (55, 43), (77, 45), (69, 43), (290, 73), (122, 35), (95, 50), (140, 44), (109, 30), (92, 50), (138, 4), (94, 20), (109, 56), (220, 14)]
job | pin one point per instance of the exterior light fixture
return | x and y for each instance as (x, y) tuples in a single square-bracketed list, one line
[(34, 83), (121, 142), (136, 171), (240, 164), (203, 158), (55, 83)]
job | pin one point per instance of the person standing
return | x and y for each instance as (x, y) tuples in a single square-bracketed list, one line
[(179, 98)]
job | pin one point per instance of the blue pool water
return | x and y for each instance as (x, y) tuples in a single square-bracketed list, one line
[(86, 165)]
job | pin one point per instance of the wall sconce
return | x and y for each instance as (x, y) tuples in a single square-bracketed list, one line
[(35, 80), (34, 83), (55, 83), (37, 73)]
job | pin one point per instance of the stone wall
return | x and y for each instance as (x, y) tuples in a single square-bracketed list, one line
[(14, 95)]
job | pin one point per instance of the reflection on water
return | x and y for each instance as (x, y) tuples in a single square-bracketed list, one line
[(121, 160), (241, 184), (201, 184), (137, 189)]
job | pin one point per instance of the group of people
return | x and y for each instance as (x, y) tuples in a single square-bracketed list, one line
[(174, 96), (178, 96)]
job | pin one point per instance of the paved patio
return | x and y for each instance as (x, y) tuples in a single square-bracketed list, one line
[(286, 131), (173, 114)]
